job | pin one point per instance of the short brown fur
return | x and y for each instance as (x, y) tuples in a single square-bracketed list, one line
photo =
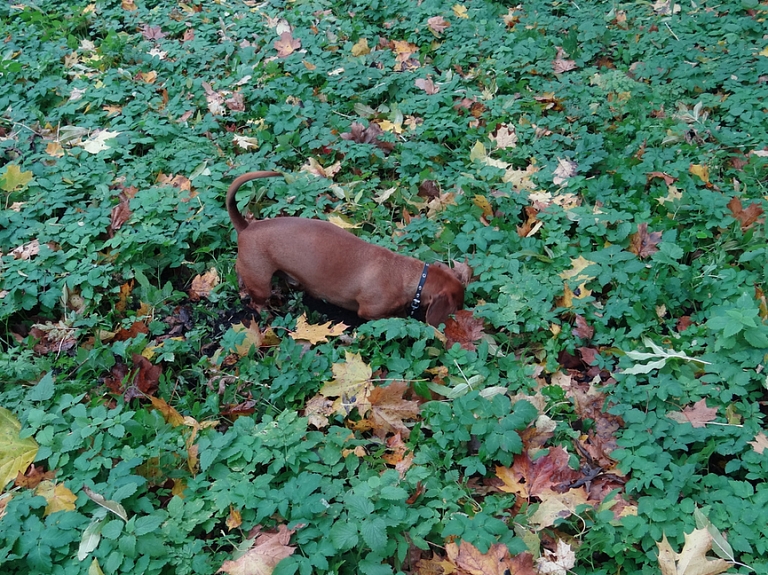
[(337, 266)]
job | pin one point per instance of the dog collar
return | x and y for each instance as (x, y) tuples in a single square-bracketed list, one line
[(417, 298)]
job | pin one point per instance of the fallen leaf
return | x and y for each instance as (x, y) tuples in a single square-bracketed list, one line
[(234, 520), (760, 443), (313, 167), (558, 562), (360, 48), (438, 25), (697, 415), (692, 560), (700, 171), (26, 251), (497, 561), (351, 385), (583, 329), (14, 179), (286, 45), (505, 137), (98, 141), (565, 170), (464, 329), (483, 203), (389, 409), (642, 243), (57, 495), (360, 134), (253, 337), (261, 559), (152, 32), (169, 413), (528, 478), (202, 284), (460, 11), (15, 453), (33, 477), (745, 217), (315, 333), (560, 64), (427, 85)]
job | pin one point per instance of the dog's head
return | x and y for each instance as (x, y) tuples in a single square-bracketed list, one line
[(443, 292)]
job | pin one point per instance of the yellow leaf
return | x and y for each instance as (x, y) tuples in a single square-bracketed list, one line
[(460, 11), (578, 265), (308, 65), (14, 179), (169, 413), (234, 520), (54, 149), (361, 47), (764, 52), (341, 222), (701, 171), (672, 196), (95, 568), (59, 498), (351, 384), (253, 337), (386, 125), (178, 488), (15, 453), (478, 152), (692, 560), (483, 203), (316, 333)]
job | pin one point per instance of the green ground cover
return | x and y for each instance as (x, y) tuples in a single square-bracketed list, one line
[(597, 409)]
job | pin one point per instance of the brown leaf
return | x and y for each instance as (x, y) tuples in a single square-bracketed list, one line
[(429, 189), (497, 561), (261, 559), (120, 214), (236, 102), (286, 45), (759, 444), (669, 180), (464, 329), (427, 85), (642, 243), (26, 251), (697, 415), (527, 478), (389, 409), (146, 379), (560, 64), (34, 475), (438, 24), (169, 413), (234, 520), (152, 32), (583, 329), (202, 284), (531, 225), (361, 135), (746, 217)]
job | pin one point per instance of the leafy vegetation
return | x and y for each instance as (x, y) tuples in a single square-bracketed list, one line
[(597, 408)]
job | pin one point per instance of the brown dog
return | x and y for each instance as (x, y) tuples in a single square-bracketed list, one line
[(338, 267)]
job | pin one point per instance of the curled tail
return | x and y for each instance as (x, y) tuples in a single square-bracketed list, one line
[(238, 221)]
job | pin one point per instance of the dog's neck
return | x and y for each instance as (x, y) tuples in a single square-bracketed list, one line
[(416, 303)]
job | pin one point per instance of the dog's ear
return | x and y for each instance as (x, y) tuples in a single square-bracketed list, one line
[(462, 271), (441, 306)]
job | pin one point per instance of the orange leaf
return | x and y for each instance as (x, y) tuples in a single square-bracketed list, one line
[(746, 217), (464, 329), (316, 333), (388, 409)]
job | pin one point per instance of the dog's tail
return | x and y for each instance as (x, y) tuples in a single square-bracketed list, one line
[(238, 221)]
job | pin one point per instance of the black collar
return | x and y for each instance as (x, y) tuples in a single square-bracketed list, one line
[(417, 298)]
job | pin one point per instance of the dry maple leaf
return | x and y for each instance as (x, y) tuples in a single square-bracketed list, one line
[(286, 45), (560, 64), (497, 561), (534, 478), (464, 329), (746, 217), (370, 135), (315, 168), (214, 99), (145, 380), (505, 137), (168, 412), (760, 443), (234, 520), (565, 170), (261, 559), (427, 85), (361, 48), (33, 477), (558, 562), (583, 329), (57, 495), (202, 284), (438, 24), (692, 560), (642, 243), (697, 415), (351, 385), (389, 409), (236, 102), (316, 333), (152, 32)]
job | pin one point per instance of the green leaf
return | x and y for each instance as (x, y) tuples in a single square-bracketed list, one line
[(109, 505), (343, 535), (15, 453), (91, 537), (374, 532), (43, 390), (13, 179)]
